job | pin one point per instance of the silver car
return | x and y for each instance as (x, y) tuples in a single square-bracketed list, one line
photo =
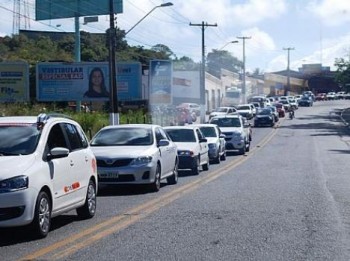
[(135, 154)]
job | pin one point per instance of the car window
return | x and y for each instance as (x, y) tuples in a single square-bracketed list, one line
[(74, 138), (18, 139), (200, 134), (208, 131), (181, 135), (56, 137), (226, 122), (123, 137)]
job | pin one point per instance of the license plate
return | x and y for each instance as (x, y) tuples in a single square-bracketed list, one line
[(112, 175)]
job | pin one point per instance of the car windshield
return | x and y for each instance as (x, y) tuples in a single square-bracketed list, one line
[(226, 122), (208, 131), (123, 137), (243, 108), (264, 112), (18, 139), (181, 135)]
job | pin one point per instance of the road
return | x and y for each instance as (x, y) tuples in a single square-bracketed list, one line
[(287, 199)]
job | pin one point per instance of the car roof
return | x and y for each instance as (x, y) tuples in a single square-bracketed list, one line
[(180, 127), (141, 125), (228, 116)]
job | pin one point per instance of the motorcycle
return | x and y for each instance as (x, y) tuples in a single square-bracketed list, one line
[(291, 114)]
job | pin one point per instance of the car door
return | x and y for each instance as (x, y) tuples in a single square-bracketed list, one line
[(61, 170), (203, 146), (165, 152), (80, 160)]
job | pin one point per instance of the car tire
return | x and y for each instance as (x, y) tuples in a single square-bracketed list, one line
[(41, 223), (217, 158), (205, 166), (155, 186), (88, 210), (173, 179), (242, 150), (195, 169), (223, 156)]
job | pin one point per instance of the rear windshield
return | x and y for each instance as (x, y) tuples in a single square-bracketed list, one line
[(181, 135)]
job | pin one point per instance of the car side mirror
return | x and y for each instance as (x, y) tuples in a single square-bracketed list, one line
[(58, 152), (222, 136), (203, 140), (163, 143)]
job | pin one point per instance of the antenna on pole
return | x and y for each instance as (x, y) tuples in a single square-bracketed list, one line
[(20, 12)]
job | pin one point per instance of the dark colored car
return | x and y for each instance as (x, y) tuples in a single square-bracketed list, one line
[(264, 117), (305, 101)]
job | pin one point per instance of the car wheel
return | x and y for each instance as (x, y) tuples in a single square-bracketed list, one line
[(217, 158), (42, 215), (89, 208), (248, 147), (205, 166), (172, 180), (155, 186), (223, 156), (242, 150), (195, 169)]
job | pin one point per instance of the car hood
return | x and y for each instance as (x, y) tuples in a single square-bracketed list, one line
[(122, 151), (263, 116), (12, 166)]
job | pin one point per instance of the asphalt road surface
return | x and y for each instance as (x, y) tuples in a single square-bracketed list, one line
[(286, 199)]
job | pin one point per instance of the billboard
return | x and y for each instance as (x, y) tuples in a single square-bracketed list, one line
[(160, 78), (14, 82), (56, 9), (87, 81)]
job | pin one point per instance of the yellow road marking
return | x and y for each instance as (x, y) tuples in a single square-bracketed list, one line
[(76, 242)]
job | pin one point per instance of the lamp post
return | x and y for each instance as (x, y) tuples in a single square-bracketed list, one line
[(154, 8), (228, 44), (244, 85)]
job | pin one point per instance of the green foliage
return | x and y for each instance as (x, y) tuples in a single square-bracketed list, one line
[(343, 73), (218, 59)]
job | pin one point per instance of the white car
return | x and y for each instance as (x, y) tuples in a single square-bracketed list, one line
[(135, 154), (222, 111), (237, 132), (245, 110), (216, 141), (192, 147), (47, 168)]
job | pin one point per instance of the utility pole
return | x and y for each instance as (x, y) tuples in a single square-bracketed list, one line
[(288, 71), (114, 113), (244, 87), (202, 73)]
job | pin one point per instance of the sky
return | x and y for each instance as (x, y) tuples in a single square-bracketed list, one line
[(314, 31)]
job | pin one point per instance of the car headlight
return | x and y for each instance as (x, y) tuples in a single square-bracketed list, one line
[(14, 184), (185, 153), (141, 160)]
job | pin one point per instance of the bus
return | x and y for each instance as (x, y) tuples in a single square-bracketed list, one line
[(232, 97)]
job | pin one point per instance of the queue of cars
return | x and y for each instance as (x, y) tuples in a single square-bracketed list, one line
[(49, 167)]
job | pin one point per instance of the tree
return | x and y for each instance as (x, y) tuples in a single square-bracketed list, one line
[(343, 73), (185, 64), (221, 59)]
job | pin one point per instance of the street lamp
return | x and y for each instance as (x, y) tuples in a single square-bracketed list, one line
[(154, 8), (228, 44)]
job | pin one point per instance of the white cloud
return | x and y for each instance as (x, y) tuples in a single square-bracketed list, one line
[(331, 12)]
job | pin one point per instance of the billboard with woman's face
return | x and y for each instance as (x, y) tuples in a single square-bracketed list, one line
[(86, 81)]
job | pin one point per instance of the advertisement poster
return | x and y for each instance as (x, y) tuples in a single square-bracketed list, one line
[(86, 81), (160, 82), (14, 82)]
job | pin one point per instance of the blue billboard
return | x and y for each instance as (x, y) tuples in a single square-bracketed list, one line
[(160, 82), (56, 9), (87, 81)]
